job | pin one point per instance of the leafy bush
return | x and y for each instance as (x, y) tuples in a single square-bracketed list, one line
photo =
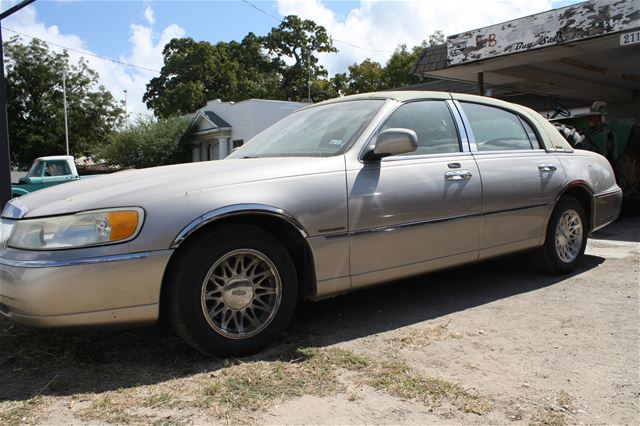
[(150, 142)]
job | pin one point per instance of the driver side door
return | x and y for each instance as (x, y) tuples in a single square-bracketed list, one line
[(412, 213)]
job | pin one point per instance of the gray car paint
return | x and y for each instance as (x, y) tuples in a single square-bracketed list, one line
[(365, 223)]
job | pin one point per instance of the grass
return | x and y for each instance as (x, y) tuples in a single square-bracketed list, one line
[(136, 376), (20, 412), (418, 337), (242, 392), (554, 416), (400, 380), (253, 387)]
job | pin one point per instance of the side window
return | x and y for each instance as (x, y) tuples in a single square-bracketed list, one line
[(535, 143), (57, 168), (432, 122), (495, 129)]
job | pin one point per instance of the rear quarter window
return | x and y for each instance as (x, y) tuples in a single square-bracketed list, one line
[(495, 129)]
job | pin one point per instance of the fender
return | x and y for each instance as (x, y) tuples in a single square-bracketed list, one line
[(236, 210), (18, 192)]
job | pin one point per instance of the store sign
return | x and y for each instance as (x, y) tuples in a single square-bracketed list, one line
[(559, 26), (632, 37)]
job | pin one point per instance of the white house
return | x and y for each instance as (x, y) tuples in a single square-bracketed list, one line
[(222, 126)]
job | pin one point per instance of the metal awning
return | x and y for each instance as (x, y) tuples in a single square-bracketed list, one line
[(586, 52)]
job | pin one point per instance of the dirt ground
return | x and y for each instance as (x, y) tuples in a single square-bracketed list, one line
[(493, 343)]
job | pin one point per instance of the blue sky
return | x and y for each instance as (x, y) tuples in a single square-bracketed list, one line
[(135, 31)]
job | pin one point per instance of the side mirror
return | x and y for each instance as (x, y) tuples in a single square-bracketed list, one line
[(393, 142)]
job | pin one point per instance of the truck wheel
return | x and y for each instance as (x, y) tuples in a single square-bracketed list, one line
[(233, 290), (566, 237)]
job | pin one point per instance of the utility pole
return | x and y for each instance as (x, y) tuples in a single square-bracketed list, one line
[(309, 77), (126, 114), (5, 153), (64, 96)]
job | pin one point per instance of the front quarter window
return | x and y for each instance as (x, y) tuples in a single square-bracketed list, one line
[(319, 131)]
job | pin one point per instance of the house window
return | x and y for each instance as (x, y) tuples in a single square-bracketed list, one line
[(237, 143)]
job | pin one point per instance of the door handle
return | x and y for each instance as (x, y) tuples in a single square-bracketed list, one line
[(546, 167), (458, 175)]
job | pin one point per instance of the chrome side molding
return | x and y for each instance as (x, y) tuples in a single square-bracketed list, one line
[(73, 262)]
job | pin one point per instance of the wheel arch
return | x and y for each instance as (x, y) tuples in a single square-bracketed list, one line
[(277, 221), (581, 191)]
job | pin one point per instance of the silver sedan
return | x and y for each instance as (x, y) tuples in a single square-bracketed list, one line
[(338, 196)]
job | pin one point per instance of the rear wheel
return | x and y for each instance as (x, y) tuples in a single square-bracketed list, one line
[(566, 237), (233, 291)]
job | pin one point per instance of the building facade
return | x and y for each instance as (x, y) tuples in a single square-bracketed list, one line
[(220, 127)]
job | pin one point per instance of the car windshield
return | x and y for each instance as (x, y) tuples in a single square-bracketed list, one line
[(321, 131), (36, 169)]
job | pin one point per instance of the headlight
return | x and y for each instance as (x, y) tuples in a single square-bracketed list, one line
[(83, 229)]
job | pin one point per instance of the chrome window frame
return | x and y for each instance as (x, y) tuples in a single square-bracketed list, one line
[(463, 141), (472, 139)]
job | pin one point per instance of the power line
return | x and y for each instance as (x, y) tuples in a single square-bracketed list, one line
[(334, 39), (83, 52)]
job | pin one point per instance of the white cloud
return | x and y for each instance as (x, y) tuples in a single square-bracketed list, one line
[(380, 26), (148, 15), (145, 49)]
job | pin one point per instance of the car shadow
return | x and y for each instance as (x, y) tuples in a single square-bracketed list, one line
[(49, 362), (626, 229)]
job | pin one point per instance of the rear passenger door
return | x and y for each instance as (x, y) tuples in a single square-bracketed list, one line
[(520, 179)]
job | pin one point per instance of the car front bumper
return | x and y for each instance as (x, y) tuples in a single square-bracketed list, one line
[(95, 291)]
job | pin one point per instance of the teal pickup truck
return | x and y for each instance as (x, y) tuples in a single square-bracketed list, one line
[(46, 172)]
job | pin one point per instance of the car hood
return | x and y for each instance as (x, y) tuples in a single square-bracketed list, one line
[(158, 185)]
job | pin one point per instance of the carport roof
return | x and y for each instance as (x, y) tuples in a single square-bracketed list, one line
[(589, 51)]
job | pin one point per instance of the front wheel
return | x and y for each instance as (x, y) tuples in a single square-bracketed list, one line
[(233, 291), (566, 237)]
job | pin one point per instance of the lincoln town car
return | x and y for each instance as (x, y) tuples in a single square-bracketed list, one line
[(338, 196)]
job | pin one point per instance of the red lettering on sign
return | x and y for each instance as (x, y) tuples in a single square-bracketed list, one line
[(492, 40)]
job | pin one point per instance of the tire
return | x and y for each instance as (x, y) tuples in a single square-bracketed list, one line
[(233, 290), (558, 255)]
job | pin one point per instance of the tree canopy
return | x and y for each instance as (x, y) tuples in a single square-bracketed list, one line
[(35, 108), (196, 71), (257, 67), (276, 66)]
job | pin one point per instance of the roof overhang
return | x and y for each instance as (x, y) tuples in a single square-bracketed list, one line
[(586, 52)]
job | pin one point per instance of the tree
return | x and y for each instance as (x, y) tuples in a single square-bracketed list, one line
[(298, 40), (436, 38), (194, 72), (35, 109), (339, 85), (150, 142), (368, 76), (398, 68)]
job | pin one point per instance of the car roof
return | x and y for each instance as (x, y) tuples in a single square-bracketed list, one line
[(55, 157)]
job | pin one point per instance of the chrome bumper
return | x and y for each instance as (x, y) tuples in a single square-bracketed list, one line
[(606, 208), (96, 291)]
